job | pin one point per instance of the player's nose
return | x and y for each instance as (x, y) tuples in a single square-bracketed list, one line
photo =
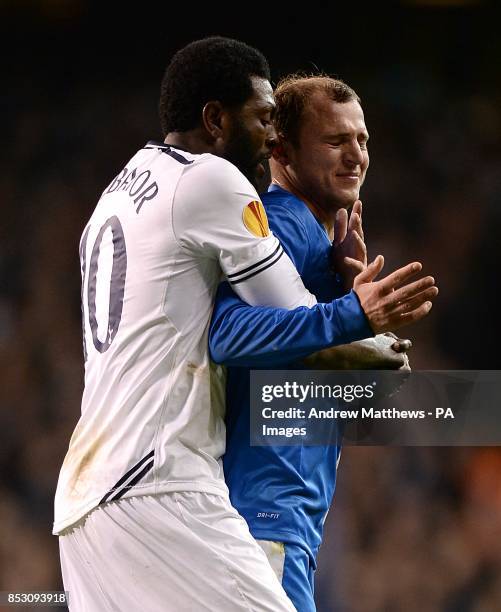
[(354, 154), (271, 137)]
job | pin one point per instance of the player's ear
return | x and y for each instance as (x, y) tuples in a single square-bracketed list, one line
[(212, 119), (280, 152)]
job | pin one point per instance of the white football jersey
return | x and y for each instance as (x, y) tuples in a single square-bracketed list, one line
[(163, 234)]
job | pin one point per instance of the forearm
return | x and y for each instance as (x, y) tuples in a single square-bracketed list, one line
[(266, 337), (369, 354), (332, 358)]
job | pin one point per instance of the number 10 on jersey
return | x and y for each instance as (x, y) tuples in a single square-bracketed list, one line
[(110, 242)]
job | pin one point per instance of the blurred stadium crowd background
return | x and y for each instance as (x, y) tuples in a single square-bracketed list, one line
[(410, 528)]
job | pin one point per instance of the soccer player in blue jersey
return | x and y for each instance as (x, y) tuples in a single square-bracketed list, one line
[(318, 167)]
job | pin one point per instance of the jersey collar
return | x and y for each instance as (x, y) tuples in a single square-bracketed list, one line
[(163, 145)]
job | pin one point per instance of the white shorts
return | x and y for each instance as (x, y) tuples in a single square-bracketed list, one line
[(186, 551)]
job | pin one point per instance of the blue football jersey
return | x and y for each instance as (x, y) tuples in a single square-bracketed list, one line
[(283, 492)]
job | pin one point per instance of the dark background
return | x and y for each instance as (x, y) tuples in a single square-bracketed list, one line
[(410, 529)]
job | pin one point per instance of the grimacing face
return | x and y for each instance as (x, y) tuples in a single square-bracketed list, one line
[(252, 135), (329, 163)]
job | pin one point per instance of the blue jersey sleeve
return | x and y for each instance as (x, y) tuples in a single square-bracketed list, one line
[(245, 336), (242, 335)]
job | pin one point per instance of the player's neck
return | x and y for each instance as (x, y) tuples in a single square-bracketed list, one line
[(325, 219), (191, 141), (323, 216)]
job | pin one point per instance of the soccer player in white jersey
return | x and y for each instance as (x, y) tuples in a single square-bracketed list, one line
[(141, 507)]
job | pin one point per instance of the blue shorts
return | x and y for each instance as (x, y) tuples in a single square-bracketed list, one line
[(296, 570)]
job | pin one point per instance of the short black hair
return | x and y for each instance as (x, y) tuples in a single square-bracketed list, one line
[(213, 68)]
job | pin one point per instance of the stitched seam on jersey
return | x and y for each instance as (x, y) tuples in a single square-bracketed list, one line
[(172, 210), (172, 267), (165, 401), (246, 278), (163, 303)]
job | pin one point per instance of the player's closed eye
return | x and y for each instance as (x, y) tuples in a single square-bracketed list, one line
[(363, 142)]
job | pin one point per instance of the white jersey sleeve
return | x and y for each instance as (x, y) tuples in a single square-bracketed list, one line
[(218, 214)]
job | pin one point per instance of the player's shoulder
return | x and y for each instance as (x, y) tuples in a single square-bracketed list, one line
[(213, 170), (216, 177), (219, 170), (281, 204), (279, 199)]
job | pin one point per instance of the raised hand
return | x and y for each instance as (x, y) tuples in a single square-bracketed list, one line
[(349, 253), (393, 302)]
